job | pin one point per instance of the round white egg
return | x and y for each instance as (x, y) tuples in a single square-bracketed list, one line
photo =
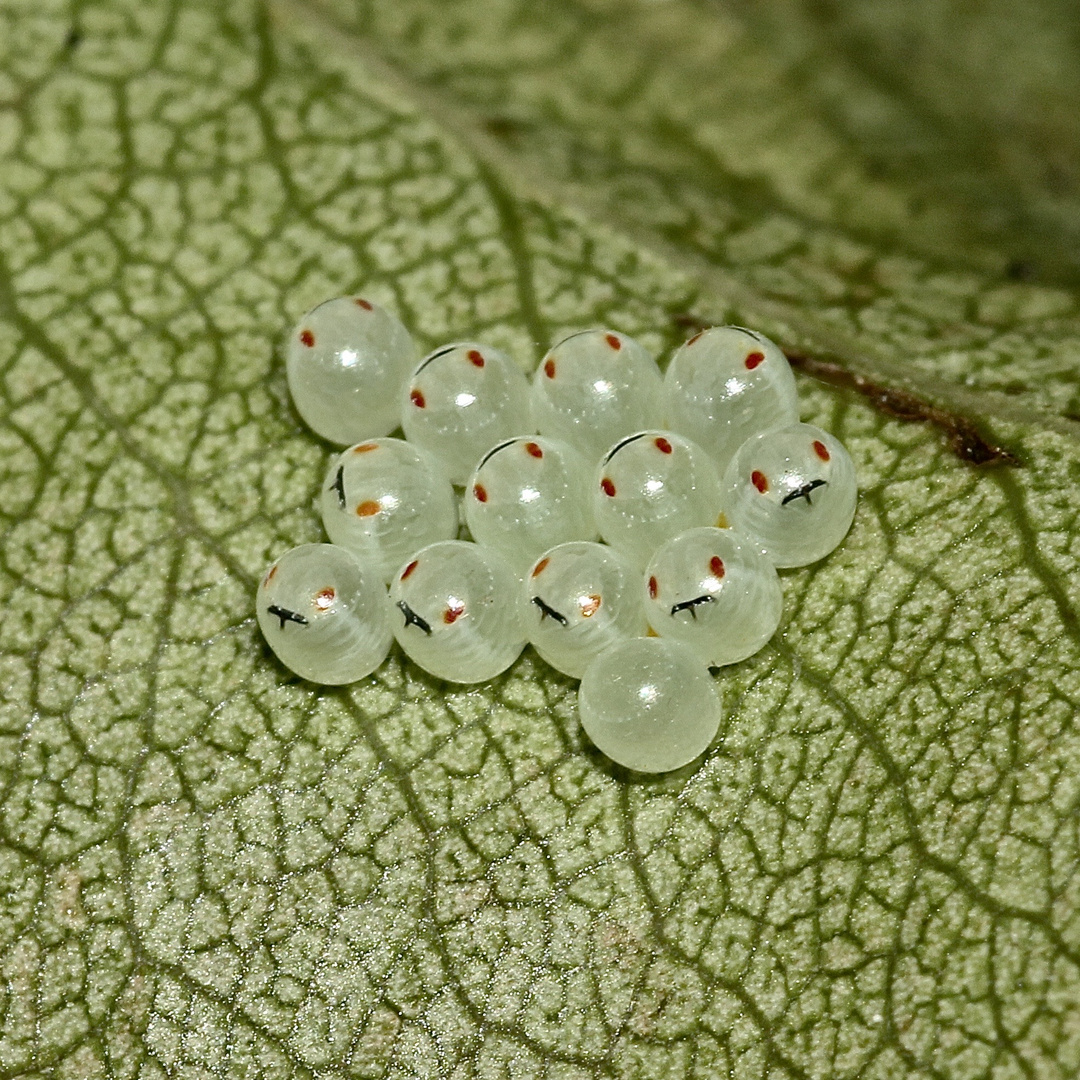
[(461, 401), (324, 616), (726, 384), (527, 495), (649, 704), (594, 387), (459, 611), (792, 492), (384, 498), (651, 486), (582, 597), (346, 362), (714, 591)]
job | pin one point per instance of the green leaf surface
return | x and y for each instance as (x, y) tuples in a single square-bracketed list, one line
[(209, 868)]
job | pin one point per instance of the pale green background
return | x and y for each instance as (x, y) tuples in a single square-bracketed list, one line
[(210, 869)]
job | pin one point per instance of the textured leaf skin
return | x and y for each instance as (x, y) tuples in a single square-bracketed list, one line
[(211, 869)]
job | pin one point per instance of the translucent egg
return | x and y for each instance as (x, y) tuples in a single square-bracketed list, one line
[(527, 495), (461, 401), (460, 612), (713, 591), (650, 487), (649, 704), (383, 499), (593, 388), (726, 384), (323, 615), (582, 597), (792, 492), (346, 362)]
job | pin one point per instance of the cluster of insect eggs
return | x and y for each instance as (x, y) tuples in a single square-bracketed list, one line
[(700, 482)]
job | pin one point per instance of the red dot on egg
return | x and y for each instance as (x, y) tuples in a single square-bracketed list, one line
[(821, 450), (716, 566), (753, 360), (417, 398), (368, 508), (760, 481), (533, 450), (476, 358), (662, 445), (453, 612), (695, 337), (613, 341), (479, 492), (362, 303), (540, 567), (408, 569), (607, 487), (549, 368), (365, 448), (654, 588), (307, 337)]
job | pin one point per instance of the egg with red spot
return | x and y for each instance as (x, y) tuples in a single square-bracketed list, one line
[(651, 486), (792, 492), (383, 499), (726, 384), (581, 597), (528, 494), (715, 592), (461, 400), (458, 612), (345, 362), (323, 614), (594, 387)]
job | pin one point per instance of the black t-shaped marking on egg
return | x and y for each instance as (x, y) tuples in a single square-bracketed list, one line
[(435, 356), (803, 492), (626, 442), (753, 333), (570, 337), (692, 605), (494, 450), (339, 486), (285, 615), (547, 609), (412, 619)]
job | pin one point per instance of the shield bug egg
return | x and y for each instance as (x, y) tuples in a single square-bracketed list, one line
[(581, 597), (324, 616), (460, 613), (384, 498), (526, 495), (649, 704), (594, 387), (713, 591), (346, 361), (792, 491), (652, 486), (461, 401), (726, 384)]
